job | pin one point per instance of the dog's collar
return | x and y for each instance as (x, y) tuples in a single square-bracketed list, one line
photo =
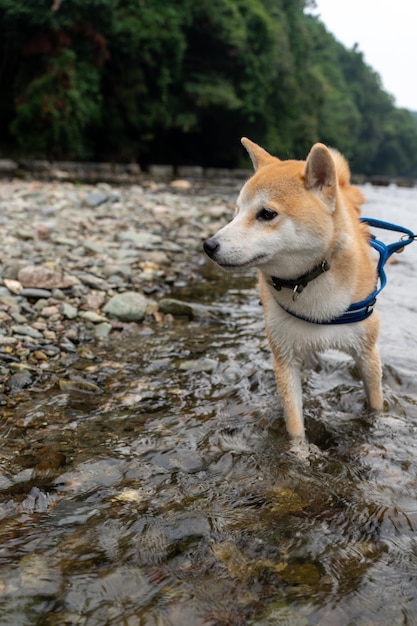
[(298, 284), (360, 311)]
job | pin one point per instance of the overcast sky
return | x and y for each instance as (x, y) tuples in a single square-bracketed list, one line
[(386, 32)]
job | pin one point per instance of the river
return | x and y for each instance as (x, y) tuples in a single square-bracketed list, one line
[(172, 498)]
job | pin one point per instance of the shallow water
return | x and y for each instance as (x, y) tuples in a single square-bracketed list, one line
[(152, 482)]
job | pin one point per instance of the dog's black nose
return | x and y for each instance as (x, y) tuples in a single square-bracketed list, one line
[(210, 246)]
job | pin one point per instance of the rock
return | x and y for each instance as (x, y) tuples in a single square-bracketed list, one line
[(7, 341), (179, 308), (18, 318), (44, 278), (69, 311), (19, 380), (14, 286), (49, 459), (198, 365), (35, 293), (49, 311), (127, 307), (92, 301), (96, 198), (280, 612), (102, 330), (92, 246), (180, 184), (79, 386), (141, 239), (28, 331), (91, 316), (302, 574), (176, 308), (42, 232), (91, 280)]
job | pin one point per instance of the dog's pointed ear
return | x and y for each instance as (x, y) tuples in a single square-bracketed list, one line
[(320, 175), (258, 155)]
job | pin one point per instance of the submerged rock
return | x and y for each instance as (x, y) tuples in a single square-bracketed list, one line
[(176, 308)]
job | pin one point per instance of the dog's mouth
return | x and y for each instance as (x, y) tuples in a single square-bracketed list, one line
[(238, 266)]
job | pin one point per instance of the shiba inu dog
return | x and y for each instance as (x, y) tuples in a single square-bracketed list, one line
[(298, 223)]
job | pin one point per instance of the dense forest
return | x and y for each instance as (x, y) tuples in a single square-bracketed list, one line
[(164, 81)]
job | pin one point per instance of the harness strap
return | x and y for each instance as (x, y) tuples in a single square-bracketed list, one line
[(360, 311)]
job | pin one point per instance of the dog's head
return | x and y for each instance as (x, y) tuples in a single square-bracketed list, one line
[(284, 214)]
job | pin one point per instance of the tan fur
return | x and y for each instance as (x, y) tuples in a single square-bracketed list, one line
[(316, 219)]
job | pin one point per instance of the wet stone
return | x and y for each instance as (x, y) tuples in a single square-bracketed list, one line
[(19, 380), (176, 307)]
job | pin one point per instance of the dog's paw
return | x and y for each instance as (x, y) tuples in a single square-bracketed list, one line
[(304, 451)]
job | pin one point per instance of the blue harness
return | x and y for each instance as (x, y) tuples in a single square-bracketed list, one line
[(360, 311)]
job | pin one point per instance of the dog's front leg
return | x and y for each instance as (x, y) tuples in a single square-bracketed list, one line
[(287, 376), (369, 365)]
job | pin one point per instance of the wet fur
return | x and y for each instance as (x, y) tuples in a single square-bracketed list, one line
[(317, 219)]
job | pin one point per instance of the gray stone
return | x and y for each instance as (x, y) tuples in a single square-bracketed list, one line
[(18, 317), (127, 307), (102, 330), (92, 316), (176, 308), (96, 198), (20, 329), (19, 380), (29, 292), (141, 239), (69, 311)]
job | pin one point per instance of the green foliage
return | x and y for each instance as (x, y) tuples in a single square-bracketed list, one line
[(56, 107), (181, 82)]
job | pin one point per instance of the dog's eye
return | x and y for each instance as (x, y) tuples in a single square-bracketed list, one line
[(266, 215)]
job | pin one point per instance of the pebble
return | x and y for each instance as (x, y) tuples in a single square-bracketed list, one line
[(14, 286), (19, 380), (176, 308), (40, 277), (69, 311), (141, 239), (18, 329), (78, 262), (91, 316), (128, 307), (35, 293), (102, 330), (95, 198)]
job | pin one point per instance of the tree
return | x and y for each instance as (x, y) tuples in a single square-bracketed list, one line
[(181, 82)]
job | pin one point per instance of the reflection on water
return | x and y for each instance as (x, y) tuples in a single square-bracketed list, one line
[(162, 490)]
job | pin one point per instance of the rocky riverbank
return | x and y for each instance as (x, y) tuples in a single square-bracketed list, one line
[(78, 262)]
